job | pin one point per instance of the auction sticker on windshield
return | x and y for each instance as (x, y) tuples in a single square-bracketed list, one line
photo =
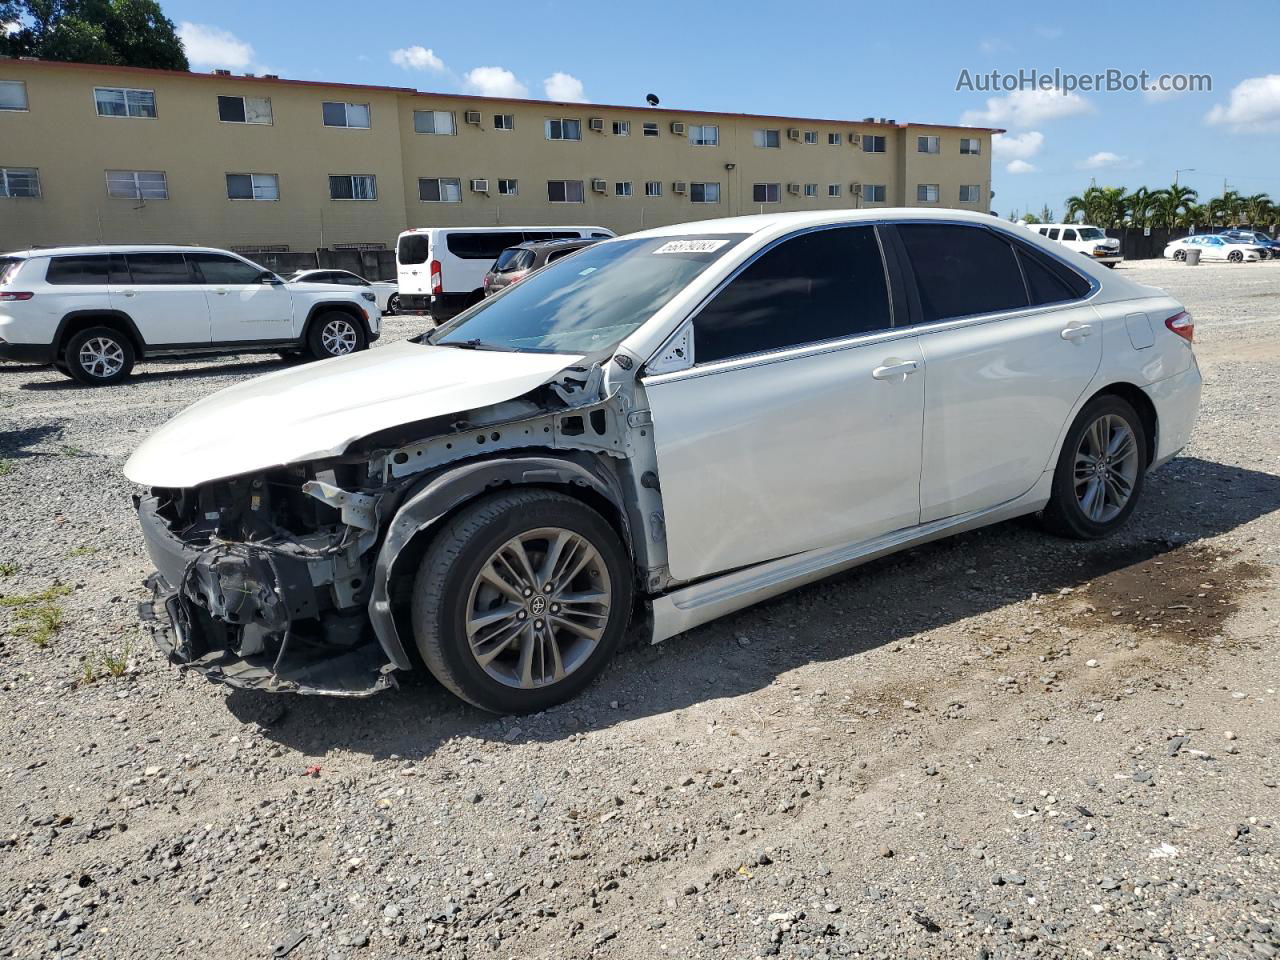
[(692, 246)]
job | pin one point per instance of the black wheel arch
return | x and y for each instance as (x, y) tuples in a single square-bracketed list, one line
[(357, 313), (77, 320)]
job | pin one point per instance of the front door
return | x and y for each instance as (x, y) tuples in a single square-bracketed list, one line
[(798, 424), (241, 308), (160, 294)]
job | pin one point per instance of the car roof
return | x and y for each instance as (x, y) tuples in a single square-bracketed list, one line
[(787, 222), (114, 248), (561, 242)]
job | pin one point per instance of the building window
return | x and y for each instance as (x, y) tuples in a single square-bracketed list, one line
[(704, 192), (353, 115), (434, 121), (927, 145), (253, 186), (970, 192), (926, 193), (508, 188), (970, 145), (125, 102), (622, 188), (137, 184), (767, 138), (874, 192), (766, 192), (872, 144), (353, 186), (811, 136), (833, 189), (564, 129), (622, 128), (13, 95), (650, 130), (810, 189), (653, 188), (704, 135), (439, 189), (19, 182), (504, 121), (833, 139), (244, 109), (564, 191)]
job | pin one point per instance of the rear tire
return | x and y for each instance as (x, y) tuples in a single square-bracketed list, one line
[(98, 357), (393, 304), (1235, 256), (336, 334)]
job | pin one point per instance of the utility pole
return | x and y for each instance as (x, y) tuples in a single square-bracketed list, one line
[(1182, 170)]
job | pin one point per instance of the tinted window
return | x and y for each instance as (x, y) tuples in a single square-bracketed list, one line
[(78, 270), (961, 271), (512, 260), (1044, 285), (231, 109), (1053, 233), (148, 268), (478, 246), (557, 254), (414, 249), (818, 286), (219, 268)]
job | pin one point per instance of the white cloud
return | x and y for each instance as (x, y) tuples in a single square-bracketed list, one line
[(13, 26), (214, 47), (565, 88), (1019, 166), (1017, 146), (1106, 160), (1254, 106), (494, 82), (417, 58), (1027, 108)]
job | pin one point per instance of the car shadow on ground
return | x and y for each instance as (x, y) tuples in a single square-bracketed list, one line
[(159, 371), (17, 444), (880, 603)]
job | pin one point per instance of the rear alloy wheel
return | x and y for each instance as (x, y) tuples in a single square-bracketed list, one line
[(1100, 471), (521, 600), (1235, 256), (336, 334), (98, 356)]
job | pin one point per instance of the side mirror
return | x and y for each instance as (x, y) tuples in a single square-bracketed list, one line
[(266, 276)]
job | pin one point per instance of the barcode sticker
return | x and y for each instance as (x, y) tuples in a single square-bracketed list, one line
[(691, 246)]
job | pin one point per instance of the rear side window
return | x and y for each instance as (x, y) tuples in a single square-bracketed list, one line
[(78, 270), (512, 260), (479, 246), (9, 268), (219, 268), (413, 249), (1047, 281), (1053, 233), (814, 287), (961, 271), (154, 268)]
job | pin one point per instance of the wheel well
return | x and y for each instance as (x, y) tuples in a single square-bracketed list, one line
[(77, 322), (350, 309), (1140, 402)]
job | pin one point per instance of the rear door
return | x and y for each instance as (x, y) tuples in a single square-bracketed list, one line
[(242, 310), (160, 292)]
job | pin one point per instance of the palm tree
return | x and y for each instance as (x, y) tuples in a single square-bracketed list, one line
[(1100, 206), (1171, 200), (1193, 214), (1258, 210), (1139, 205)]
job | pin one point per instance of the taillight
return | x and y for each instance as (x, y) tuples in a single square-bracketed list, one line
[(1182, 325), (8, 296), (437, 280)]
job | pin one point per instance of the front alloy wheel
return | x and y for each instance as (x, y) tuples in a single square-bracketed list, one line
[(336, 334)]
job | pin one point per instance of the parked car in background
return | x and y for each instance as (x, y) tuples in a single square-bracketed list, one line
[(440, 270), (94, 311), (1212, 247), (1082, 238), (1256, 238), (516, 263), (388, 299), (699, 416)]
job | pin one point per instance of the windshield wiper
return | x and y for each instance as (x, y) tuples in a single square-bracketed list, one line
[(475, 344)]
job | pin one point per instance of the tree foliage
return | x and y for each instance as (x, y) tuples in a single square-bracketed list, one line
[(1172, 206), (131, 33)]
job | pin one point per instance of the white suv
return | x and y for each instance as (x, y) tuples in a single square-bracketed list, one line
[(93, 311), (1082, 238)]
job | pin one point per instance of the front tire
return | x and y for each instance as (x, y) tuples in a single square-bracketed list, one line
[(393, 303), (1100, 471), (521, 600), (98, 357), (336, 334)]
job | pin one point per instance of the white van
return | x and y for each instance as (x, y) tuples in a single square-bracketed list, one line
[(441, 269), (1082, 238)]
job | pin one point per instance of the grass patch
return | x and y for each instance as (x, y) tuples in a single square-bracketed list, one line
[(8, 568), (6, 467), (39, 615), (112, 663)]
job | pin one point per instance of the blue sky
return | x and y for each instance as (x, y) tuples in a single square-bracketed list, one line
[(824, 59)]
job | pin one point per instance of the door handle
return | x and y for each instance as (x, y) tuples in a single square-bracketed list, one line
[(127, 293), (894, 369), (220, 292), (1076, 331)]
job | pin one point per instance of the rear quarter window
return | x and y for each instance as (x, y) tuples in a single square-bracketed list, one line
[(9, 268), (90, 270)]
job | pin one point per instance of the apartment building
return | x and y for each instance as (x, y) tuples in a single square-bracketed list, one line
[(116, 154)]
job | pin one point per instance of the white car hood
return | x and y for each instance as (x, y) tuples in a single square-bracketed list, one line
[(318, 409)]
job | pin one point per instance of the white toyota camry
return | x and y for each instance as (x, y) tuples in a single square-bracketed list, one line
[(1213, 247)]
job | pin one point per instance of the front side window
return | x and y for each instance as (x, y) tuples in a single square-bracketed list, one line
[(766, 192), (962, 271), (622, 188), (811, 136), (564, 129), (767, 138), (508, 188), (19, 182), (875, 192), (244, 109), (622, 128), (970, 193), (927, 145), (653, 188), (704, 135), (219, 268), (564, 191), (339, 114), (970, 145), (439, 189), (158, 268), (589, 302), (818, 286), (125, 102), (1068, 234), (253, 186), (704, 192), (137, 184), (13, 95), (353, 186), (927, 193), (873, 144), (436, 121)]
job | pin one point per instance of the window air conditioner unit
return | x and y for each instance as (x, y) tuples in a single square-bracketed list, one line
[(596, 124), (793, 188), (479, 186), (855, 138), (677, 128), (793, 133), (679, 187), (598, 185)]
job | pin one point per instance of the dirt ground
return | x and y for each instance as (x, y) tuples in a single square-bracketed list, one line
[(999, 745)]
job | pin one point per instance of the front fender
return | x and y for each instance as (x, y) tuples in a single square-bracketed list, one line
[(445, 492)]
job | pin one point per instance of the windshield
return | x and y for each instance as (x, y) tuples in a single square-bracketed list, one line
[(1091, 233), (512, 259), (9, 268), (589, 302)]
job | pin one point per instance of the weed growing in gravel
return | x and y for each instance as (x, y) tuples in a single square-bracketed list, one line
[(8, 568), (6, 467), (82, 551), (39, 615), (109, 664), (118, 663)]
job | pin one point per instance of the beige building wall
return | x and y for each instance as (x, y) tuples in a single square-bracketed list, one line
[(62, 136)]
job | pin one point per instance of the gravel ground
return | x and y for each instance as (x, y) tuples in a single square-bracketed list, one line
[(1001, 745)]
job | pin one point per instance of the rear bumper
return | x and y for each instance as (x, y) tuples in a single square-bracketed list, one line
[(1177, 403), (41, 353)]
